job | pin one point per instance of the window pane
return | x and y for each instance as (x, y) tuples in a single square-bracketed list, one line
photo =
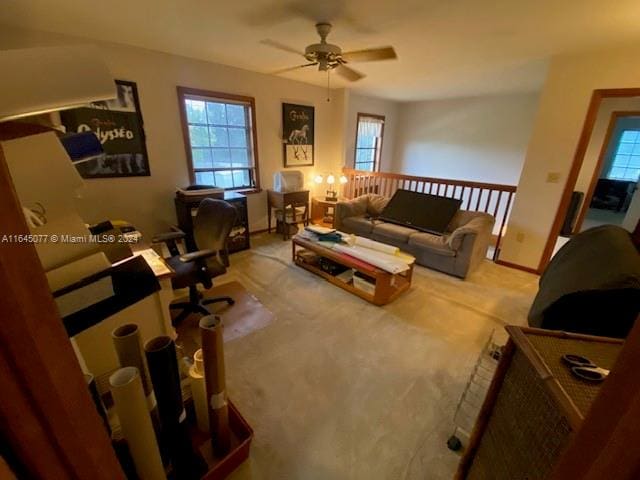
[(617, 172), (204, 178), (195, 111), (625, 148), (365, 166), (238, 137), (216, 113), (365, 155), (636, 147), (635, 161), (224, 179), (218, 137), (621, 160), (241, 178), (236, 114), (366, 141), (201, 157), (632, 174), (221, 158), (240, 157), (198, 136), (629, 136)]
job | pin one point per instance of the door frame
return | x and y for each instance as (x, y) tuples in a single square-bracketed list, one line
[(49, 422), (598, 168), (581, 148)]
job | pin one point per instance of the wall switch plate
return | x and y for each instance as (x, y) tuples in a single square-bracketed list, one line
[(553, 177)]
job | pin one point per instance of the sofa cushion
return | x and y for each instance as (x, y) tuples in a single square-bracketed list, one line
[(396, 233), (358, 225), (434, 243), (376, 204)]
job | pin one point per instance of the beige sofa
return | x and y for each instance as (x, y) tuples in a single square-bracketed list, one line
[(458, 252)]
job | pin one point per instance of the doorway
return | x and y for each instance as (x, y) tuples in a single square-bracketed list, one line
[(605, 191), (614, 181)]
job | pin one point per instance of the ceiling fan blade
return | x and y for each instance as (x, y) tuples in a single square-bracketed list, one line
[(281, 46), (370, 55), (348, 73), (290, 69)]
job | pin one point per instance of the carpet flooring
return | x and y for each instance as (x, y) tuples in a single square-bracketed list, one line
[(337, 388)]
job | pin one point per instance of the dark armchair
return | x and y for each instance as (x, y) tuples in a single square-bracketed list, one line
[(211, 227)]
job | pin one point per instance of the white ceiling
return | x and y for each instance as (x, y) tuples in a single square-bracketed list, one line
[(446, 47)]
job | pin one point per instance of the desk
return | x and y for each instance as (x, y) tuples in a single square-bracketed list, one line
[(94, 346), (187, 206), (282, 200)]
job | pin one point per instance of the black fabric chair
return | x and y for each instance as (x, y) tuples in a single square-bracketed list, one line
[(591, 286), (211, 227)]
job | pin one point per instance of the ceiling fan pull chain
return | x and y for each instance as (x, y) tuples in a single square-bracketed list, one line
[(328, 85)]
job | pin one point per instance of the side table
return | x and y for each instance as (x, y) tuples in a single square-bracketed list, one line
[(323, 211)]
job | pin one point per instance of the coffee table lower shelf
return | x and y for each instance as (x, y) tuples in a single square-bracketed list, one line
[(388, 286)]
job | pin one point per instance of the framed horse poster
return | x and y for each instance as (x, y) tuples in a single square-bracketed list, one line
[(118, 125), (297, 135)]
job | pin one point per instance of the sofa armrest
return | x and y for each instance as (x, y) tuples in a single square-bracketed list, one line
[(479, 226), (349, 208)]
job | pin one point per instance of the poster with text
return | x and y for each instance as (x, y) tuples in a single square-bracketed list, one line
[(118, 125), (297, 135)]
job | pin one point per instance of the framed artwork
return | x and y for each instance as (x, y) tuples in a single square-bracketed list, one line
[(297, 135), (118, 125)]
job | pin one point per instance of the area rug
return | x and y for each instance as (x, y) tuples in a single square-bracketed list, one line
[(246, 315)]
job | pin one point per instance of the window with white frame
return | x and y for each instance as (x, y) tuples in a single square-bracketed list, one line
[(369, 142), (626, 160), (220, 138)]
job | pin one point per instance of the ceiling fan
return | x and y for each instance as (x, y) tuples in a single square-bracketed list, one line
[(331, 57)]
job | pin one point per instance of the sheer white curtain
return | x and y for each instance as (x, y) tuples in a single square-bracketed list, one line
[(368, 142)]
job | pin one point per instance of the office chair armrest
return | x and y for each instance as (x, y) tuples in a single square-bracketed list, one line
[(168, 236), (195, 256)]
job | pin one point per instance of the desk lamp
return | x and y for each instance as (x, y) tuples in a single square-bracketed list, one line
[(332, 195)]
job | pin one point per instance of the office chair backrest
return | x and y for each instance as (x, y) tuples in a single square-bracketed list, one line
[(213, 223)]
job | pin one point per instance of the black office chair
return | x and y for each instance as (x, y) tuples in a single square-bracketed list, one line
[(211, 227)]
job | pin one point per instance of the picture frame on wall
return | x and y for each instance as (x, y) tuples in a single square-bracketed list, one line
[(298, 128), (118, 125)]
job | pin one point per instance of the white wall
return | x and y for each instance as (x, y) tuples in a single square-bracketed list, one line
[(148, 201), (563, 106), (479, 138), (360, 104)]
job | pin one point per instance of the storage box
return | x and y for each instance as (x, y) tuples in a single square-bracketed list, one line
[(363, 283)]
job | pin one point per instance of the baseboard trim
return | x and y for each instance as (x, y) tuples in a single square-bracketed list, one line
[(256, 232), (517, 267)]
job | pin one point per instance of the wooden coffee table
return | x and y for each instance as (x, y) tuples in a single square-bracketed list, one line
[(388, 286)]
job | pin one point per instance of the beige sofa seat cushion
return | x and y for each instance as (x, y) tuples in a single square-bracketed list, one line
[(358, 225), (396, 233), (434, 243)]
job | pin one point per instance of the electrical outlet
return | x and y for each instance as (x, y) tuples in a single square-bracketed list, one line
[(520, 237), (553, 177)]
